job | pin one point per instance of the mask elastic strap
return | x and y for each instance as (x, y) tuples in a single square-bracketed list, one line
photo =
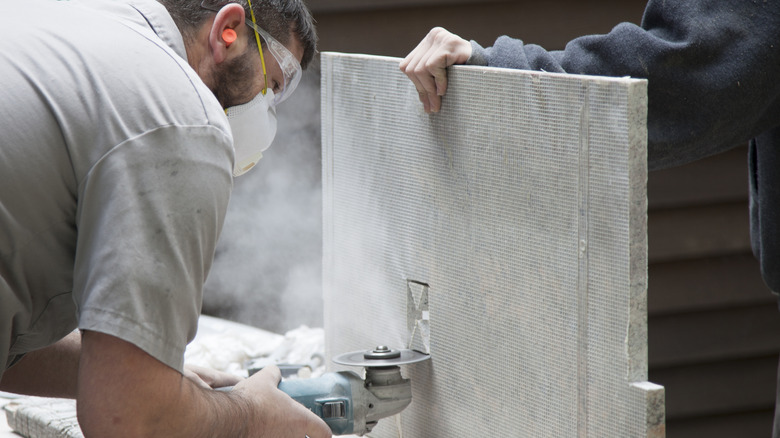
[(259, 47)]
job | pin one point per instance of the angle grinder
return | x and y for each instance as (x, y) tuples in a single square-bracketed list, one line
[(351, 405)]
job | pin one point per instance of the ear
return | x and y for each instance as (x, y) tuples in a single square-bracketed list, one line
[(231, 18)]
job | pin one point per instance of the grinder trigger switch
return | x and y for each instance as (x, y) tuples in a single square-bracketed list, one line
[(334, 409)]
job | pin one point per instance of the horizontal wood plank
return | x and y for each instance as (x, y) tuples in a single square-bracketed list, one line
[(396, 31), (718, 388), (702, 231), (717, 179), (317, 6), (706, 284), (711, 336), (757, 424)]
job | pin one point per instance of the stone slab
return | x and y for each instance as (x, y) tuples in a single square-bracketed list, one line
[(506, 235)]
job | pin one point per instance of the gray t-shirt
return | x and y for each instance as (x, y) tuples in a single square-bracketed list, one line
[(115, 174)]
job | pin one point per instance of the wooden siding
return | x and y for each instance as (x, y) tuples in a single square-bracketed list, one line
[(357, 26), (714, 326)]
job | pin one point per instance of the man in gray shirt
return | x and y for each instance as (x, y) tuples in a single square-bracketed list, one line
[(123, 124)]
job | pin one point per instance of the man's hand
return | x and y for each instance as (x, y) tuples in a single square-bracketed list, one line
[(427, 65), (281, 415)]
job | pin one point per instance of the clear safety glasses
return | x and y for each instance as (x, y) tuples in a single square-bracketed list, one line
[(291, 68)]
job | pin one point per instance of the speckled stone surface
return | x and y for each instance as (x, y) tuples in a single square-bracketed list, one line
[(520, 211)]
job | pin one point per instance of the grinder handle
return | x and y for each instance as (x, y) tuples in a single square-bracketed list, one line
[(328, 396)]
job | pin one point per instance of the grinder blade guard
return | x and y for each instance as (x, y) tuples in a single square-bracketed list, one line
[(385, 392)]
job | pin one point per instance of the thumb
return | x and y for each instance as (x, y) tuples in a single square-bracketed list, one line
[(271, 373)]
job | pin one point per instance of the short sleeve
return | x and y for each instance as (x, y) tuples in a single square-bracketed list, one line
[(149, 215)]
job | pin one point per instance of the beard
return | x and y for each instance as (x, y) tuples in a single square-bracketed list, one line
[(233, 80)]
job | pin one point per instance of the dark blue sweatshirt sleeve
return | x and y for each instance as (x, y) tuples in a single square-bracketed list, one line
[(713, 68)]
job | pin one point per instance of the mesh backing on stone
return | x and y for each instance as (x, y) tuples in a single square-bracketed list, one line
[(521, 210)]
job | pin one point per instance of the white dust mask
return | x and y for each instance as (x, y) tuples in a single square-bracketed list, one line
[(254, 127)]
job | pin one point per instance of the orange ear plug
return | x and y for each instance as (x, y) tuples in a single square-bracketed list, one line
[(229, 35)]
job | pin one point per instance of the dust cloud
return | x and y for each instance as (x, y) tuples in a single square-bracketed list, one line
[(267, 271)]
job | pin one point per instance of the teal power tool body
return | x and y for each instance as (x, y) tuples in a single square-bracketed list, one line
[(351, 405)]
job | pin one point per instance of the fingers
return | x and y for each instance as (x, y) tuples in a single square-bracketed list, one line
[(270, 374), (281, 415), (413, 66), (312, 425), (195, 378), (426, 65), (220, 380), (209, 378), (296, 417), (315, 426)]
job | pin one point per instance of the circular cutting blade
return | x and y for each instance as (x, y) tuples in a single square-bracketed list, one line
[(362, 359)]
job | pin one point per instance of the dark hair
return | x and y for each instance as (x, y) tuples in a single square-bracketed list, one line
[(277, 17)]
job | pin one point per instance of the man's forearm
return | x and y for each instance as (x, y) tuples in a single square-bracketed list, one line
[(222, 414), (124, 392), (197, 412), (48, 372)]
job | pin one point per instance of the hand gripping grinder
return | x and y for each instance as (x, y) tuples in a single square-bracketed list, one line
[(351, 405)]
